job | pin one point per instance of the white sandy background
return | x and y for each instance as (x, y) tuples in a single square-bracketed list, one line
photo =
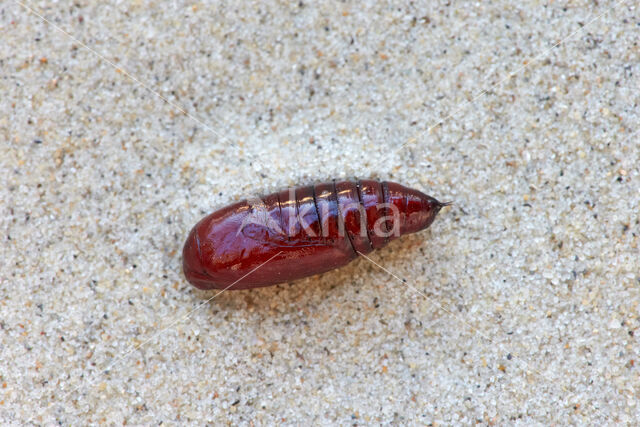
[(520, 303)]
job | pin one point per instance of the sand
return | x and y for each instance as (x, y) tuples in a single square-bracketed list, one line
[(122, 124)]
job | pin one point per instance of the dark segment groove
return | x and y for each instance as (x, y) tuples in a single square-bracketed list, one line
[(385, 200), (366, 220), (315, 203), (341, 219)]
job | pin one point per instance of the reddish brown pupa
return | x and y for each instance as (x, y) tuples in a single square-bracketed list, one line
[(301, 232)]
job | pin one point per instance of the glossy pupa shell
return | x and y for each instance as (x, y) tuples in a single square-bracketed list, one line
[(301, 232)]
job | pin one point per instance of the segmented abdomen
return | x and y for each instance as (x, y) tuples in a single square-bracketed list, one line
[(335, 211)]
